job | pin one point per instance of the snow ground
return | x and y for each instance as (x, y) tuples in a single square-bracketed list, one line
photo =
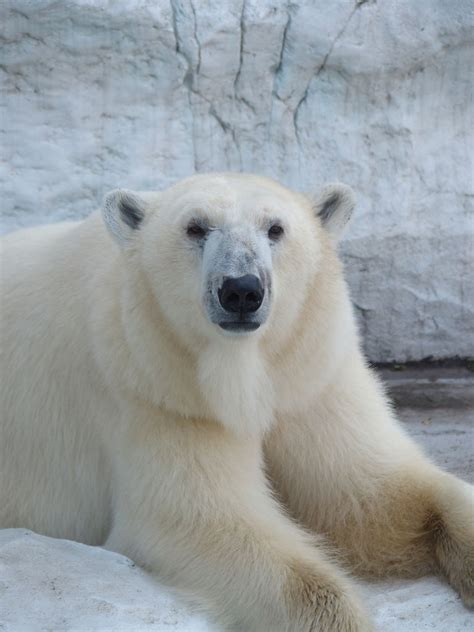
[(50, 585)]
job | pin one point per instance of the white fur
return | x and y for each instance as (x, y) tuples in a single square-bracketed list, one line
[(129, 419), (236, 385)]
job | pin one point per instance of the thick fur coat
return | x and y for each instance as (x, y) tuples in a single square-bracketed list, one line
[(242, 455)]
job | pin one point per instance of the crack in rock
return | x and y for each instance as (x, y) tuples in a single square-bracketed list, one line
[(241, 47), (279, 66), (196, 39), (321, 68)]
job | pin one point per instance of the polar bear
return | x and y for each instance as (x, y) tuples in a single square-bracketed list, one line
[(182, 382)]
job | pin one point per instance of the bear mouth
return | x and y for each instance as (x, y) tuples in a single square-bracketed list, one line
[(239, 325)]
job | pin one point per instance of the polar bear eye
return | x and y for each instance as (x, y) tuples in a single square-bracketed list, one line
[(196, 231), (275, 232)]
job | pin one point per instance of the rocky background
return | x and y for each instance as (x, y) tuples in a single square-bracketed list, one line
[(98, 94)]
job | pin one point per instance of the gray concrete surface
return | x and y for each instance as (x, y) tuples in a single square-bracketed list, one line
[(436, 406), (431, 387), (447, 436)]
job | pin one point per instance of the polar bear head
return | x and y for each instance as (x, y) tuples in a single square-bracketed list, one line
[(230, 260), (227, 254)]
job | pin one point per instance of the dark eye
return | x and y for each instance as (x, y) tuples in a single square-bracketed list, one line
[(196, 231), (275, 232)]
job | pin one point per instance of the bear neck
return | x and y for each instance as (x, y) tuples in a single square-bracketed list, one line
[(235, 382)]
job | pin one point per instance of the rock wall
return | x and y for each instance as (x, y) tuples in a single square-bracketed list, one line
[(138, 93)]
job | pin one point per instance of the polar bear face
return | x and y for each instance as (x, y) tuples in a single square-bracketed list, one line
[(228, 263), (227, 255)]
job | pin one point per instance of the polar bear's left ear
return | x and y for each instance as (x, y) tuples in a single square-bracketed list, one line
[(334, 205), (123, 212)]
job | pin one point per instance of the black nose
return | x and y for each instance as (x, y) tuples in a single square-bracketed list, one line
[(241, 294)]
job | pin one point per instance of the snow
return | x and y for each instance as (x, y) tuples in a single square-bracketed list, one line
[(52, 584), (48, 584)]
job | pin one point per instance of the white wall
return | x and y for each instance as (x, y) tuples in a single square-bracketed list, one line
[(138, 93)]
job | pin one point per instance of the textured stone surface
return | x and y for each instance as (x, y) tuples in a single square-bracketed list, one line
[(138, 93), (447, 436), (431, 388)]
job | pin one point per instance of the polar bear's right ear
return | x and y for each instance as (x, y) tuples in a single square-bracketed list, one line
[(123, 212), (334, 205)]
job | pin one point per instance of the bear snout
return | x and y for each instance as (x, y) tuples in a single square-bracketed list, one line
[(241, 295)]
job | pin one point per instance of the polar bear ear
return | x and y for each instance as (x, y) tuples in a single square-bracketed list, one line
[(123, 212), (334, 205)]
